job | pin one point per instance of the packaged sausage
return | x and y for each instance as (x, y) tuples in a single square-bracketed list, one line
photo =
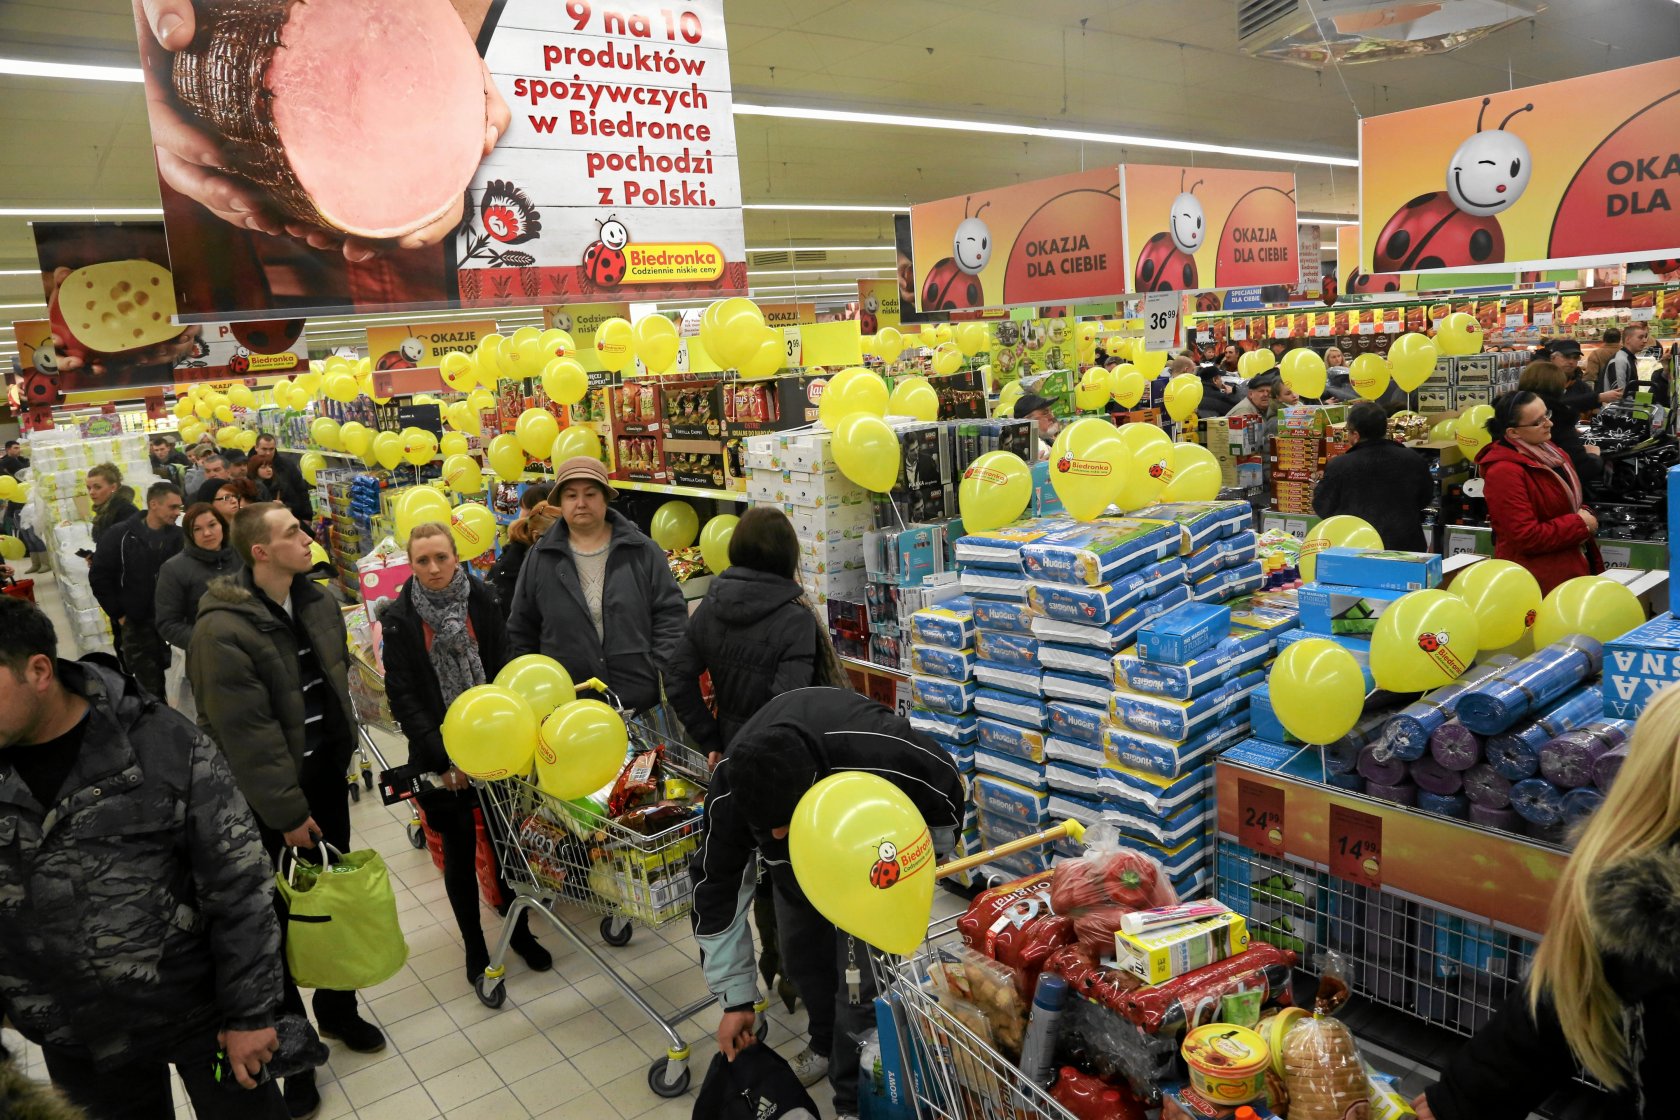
[(1193, 999), (996, 917)]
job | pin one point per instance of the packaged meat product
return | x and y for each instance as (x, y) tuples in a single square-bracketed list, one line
[(1091, 1098), (1089, 979), (637, 783), (997, 917), (1323, 1071), (1098, 1040), (1191, 1000), (1038, 939)]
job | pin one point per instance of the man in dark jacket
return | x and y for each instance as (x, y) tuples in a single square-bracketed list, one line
[(290, 487), (1379, 481), (124, 579), (598, 596), (135, 925), (215, 469), (162, 464), (795, 740), (268, 663)]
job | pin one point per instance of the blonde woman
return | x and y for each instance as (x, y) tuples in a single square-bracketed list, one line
[(1605, 990)]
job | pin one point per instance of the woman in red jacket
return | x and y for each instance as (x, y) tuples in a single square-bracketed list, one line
[(1534, 495)]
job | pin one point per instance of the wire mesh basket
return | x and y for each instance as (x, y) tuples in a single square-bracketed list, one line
[(367, 693)]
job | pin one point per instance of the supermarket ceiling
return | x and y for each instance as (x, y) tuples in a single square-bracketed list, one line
[(1158, 68)]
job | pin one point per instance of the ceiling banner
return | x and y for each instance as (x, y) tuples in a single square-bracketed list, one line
[(1563, 175), (1189, 228), (877, 305), (420, 345)]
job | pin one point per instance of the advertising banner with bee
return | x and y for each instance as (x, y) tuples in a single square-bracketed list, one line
[(421, 345), (1570, 174), (1044, 242), (385, 155), (1191, 228), (581, 321)]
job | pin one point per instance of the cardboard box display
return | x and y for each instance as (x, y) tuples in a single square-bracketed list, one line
[(1335, 610), (1379, 568), (1184, 633), (1639, 664)]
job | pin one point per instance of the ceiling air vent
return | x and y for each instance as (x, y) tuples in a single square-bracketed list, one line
[(1255, 16), (1349, 31)]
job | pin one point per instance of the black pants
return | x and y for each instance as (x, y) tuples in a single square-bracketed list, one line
[(816, 956), (328, 793), (140, 1090), (145, 655), (449, 813)]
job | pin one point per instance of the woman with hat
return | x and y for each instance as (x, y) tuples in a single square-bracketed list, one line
[(596, 594)]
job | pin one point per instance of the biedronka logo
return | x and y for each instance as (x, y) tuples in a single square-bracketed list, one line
[(892, 865), (1089, 468), (986, 475)]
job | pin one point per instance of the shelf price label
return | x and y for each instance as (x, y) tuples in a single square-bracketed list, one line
[(1260, 817), (1160, 320), (1355, 846), (793, 345)]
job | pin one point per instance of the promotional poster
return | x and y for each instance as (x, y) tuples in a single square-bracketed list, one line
[(581, 321), (1188, 228), (1564, 175), (422, 345), (543, 152), (877, 305)]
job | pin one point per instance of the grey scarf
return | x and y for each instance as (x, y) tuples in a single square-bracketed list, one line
[(454, 653)]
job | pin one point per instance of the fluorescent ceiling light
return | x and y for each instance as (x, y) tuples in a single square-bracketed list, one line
[(81, 212), (834, 248), (1002, 128), (1306, 221), (20, 272), (846, 206), (819, 271), (32, 68), (21, 306)]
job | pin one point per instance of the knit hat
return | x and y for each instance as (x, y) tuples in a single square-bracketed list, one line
[(769, 771), (584, 467)]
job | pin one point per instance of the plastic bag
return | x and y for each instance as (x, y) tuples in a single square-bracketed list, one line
[(1038, 939), (1109, 874), (996, 918), (961, 974), (1323, 1071)]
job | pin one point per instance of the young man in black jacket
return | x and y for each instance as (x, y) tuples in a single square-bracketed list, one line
[(124, 576), (1379, 481), (290, 487), (794, 741)]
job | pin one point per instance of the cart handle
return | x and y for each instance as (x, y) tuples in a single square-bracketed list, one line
[(593, 684), (1071, 829)]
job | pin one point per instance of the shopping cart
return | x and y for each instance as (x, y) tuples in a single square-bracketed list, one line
[(555, 853), (367, 696)]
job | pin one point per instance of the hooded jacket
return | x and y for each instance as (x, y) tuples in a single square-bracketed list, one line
[(138, 911), (243, 664), (1534, 522), (1514, 1063), (290, 488), (1566, 409), (641, 604), (757, 639), (1384, 483), (411, 684), (523, 534), (181, 583), (124, 574), (118, 507), (795, 740)]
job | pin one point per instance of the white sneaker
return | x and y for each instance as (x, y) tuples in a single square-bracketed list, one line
[(809, 1066)]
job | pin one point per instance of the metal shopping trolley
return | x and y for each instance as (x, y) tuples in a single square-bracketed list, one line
[(555, 853), (367, 696)]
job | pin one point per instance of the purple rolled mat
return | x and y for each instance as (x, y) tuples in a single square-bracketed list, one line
[(1351, 782), (1609, 764), (1435, 778), (1378, 772), (1567, 761), (1579, 804), (1402, 793), (1455, 746), (1450, 805), (1537, 801), (1342, 756), (1487, 787), (1495, 818)]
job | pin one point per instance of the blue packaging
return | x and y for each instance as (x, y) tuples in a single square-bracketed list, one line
[(1010, 678), (1115, 635), (1099, 551), (1359, 647), (949, 625), (1001, 548), (962, 755), (1272, 611), (1085, 660), (1180, 720), (1005, 616), (1076, 751), (1673, 560), (996, 829), (999, 797), (1378, 567), (1226, 553), (1201, 522), (1263, 719), (1646, 659), (1007, 649), (1229, 583), (1105, 602), (1013, 707), (1244, 649), (944, 726), (1019, 771), (1151, 793), (1183, 633), (1295, 761), (934, 661), (1164, 758), (993, 583), (1078, 688), (1334, 610), (940, 695), (1081, 722), (1010, 739)]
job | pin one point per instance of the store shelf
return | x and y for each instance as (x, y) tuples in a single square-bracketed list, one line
[(871, 667), (662, 488)]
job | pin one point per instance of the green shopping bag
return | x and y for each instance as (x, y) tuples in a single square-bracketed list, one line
[(341, 928)]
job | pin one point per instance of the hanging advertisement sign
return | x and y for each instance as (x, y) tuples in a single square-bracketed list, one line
[(581, 321), (467, 155), (1049, 241), (421, 345), (1354, 281), (1207, 227), (236, 351), (1563, 175), (877, 305)]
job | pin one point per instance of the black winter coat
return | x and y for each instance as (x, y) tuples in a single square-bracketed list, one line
[(1566, 412), (117, 509), (1385, 484), (757, 639), (411, 684), (504, 575), (124, 573), (181, 583), (1514, 1063), (292, 489)]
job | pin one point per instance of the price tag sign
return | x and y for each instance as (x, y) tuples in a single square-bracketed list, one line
[(1239, 334), (1367, 328), (1642, 314), (1321, 332), (1542, 318), (1260, 817), (1280, 332), (1459, 544), (1355, 846), (682, 358), (1390, 326), (1616, 555), (794, 346), (1516, 320), (1160, 320), (1618, 292), (1204, 336)]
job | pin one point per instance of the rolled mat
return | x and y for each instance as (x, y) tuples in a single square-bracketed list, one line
[(1537, 801), (1342, 756), (1409, 729), (1436, 779), (1378, 772), (1403, 794), (1609, 764), (1455, 746), (1547, 833), (1449, 805), (1579, 804), (1351, 782), (1567, 761), (1519, 691), (1494, 818), (1516, 753), (1487, 787)]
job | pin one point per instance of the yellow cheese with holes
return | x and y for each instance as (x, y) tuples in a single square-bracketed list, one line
[(118, 305)]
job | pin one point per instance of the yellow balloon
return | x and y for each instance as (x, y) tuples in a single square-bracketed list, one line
[(1369, 376), (580, 748), (536, 429), (1092, 390), (1459, 334), (474, 529), (240, 396), (227, 436), (866, 451), (1304, 371), (309, 464), (674, 525), (364, 367), (184, 407), (1140, 438), (1411, 360), (928, 336), (334, 364), (1182, 396), (1256, 362), (656, 342), (488, 359), (387, 449), (203, 409), (324, 431), (490, 733), (971, 338), (462, 417), (1149, 362), (453, 443), (364, 384), (462, 474), (714, 540), (11, 548), (1317, 690), (1127, 385), (614, 344), (1196, 475), (459, 370), (340, 387), (541, 680), (947, 359), (555, 343), (417, 506), (914, 398), (1141, 484), (943, 333), (1596, 606), (994, 491), (852, 392), (506, 457), (864, 858), (481, 400), (565, 381), (523, 346), (1504, 597), (1471, 429), (1445, 431), (1009, 394), (1423, 640), (223, 412), (247, 440), (419, 446), (310, 382), (1088, 465), (1341, 531), (574, 440), (11, 490), (767, 359), (192, 431), (739, 335), (889, 344), (354, 437)]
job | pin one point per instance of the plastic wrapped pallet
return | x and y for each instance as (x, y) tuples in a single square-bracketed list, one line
[(1105, 602)]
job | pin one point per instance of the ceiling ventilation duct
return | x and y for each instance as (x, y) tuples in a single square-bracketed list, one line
[(1349, 31)]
